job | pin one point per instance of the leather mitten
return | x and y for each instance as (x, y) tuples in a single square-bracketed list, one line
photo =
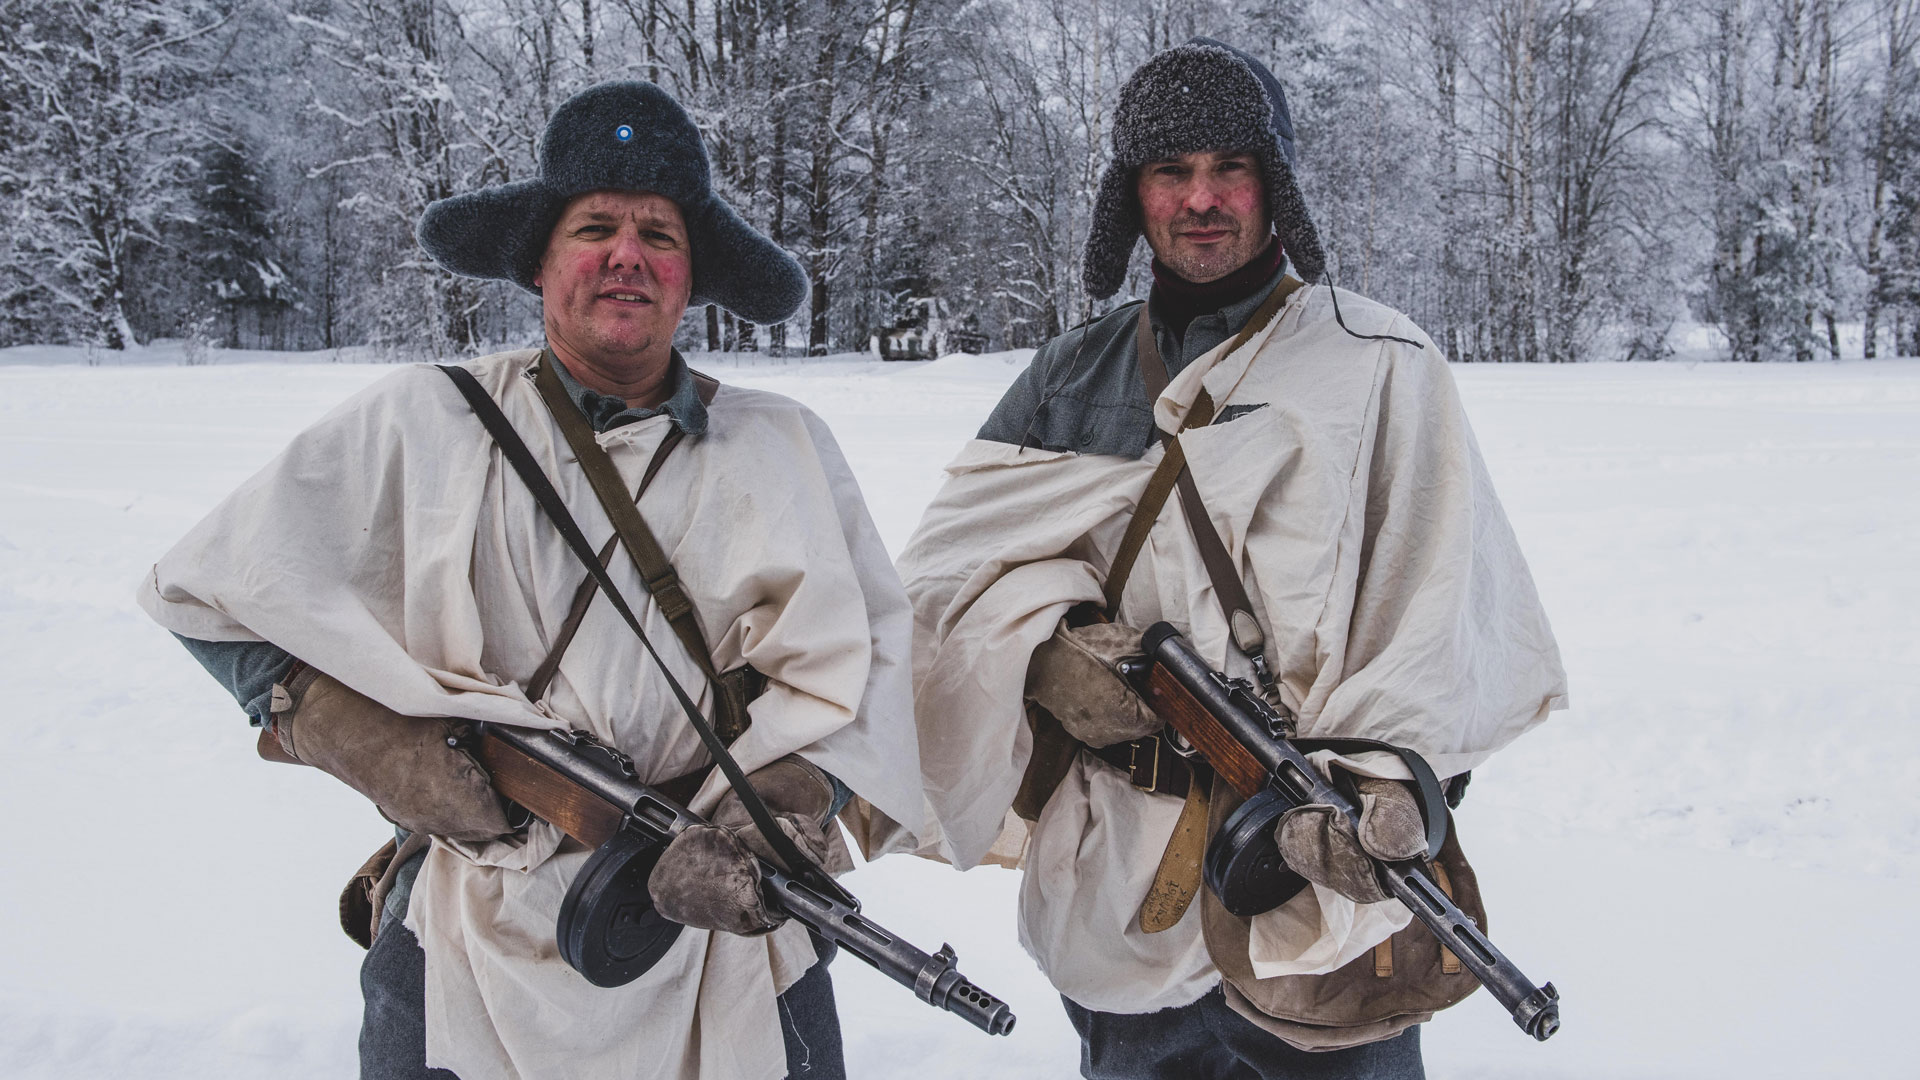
[(709, 876), (405, 764), (1074, 677), (1319, 844)]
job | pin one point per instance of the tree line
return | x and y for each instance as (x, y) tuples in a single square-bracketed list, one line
[(1533, 180)]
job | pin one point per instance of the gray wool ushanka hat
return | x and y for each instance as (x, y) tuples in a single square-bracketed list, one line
[(618, 136), (1200, 96)]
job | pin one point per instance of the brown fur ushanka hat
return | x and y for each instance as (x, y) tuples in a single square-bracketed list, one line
[(1200, 96)]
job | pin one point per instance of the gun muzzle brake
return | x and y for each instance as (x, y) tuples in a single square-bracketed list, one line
[(1539, 1015), (940, 984)]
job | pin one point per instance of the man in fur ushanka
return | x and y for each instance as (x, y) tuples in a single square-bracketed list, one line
[(1376, 589), (388, 570)]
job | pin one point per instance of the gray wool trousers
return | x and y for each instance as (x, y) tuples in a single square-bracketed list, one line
[(1207, 1040), (393, 1029)]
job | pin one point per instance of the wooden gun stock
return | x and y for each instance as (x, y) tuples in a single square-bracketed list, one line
[(1184, 713), (548, 794)]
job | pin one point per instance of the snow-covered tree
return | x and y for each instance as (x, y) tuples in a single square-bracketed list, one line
[(103, 122), (1531, 179), (426, 100)]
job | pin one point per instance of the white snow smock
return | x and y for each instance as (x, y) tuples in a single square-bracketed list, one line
[(1349, 490), (392, 547)]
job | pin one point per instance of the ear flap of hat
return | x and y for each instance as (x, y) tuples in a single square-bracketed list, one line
[(1288, 208), (1112, 236), (740, 269), (498, 232)]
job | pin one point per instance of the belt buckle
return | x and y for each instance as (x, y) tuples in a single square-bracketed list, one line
[(1150, 769)]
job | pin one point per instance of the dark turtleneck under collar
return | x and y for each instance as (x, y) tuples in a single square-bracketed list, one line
[(1178, 301)]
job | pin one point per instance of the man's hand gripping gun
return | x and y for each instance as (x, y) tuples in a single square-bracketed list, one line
[(609, 930), (1229, 725)]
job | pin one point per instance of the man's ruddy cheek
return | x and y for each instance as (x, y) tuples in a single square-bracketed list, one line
[(673, 271), (1155, 205), (583, 265)]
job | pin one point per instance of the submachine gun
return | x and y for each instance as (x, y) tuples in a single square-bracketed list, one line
[(1227, 723), (609, 929)]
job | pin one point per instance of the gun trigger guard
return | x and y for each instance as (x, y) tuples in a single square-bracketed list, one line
[(1179, 744)]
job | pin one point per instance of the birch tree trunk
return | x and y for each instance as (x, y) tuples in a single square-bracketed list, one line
[(1898, 26)]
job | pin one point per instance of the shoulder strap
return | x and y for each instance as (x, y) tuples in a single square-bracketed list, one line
[(514, 449), (1228, 589), (542, 677), (706, 387), (611, 490), (1173, 467)]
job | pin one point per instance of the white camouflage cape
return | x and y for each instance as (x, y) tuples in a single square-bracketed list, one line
[(1395, 599), (391, 547)]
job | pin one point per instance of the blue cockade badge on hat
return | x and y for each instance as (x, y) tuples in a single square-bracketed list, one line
[(624, 133)]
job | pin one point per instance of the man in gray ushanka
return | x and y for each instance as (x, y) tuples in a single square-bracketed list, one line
[(1333, 538), (388, 571)]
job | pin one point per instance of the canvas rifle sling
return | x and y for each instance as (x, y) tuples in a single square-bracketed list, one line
[(515, 450)]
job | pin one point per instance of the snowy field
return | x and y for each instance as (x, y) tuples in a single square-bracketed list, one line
[(1709, 853)]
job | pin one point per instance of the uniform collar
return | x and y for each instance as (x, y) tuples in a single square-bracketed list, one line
[(1180, 347), (1177, 301), (605, 413)]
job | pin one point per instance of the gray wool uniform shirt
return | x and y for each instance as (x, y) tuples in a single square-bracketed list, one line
[(1083, 394)]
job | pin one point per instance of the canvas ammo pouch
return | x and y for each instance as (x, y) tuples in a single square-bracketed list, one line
[(1400, 982)]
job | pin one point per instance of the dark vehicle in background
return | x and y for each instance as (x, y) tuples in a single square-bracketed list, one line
[(922, 331)]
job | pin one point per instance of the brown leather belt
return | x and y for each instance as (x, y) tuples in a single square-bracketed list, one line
[(1151, 764)]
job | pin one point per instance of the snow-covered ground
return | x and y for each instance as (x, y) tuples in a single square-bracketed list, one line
[(1708, 854)]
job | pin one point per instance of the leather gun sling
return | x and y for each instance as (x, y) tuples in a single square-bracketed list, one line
[(628, 526), (1177, 880), (1053, 749), (1153, 375), (684, 787), (589, 587)]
